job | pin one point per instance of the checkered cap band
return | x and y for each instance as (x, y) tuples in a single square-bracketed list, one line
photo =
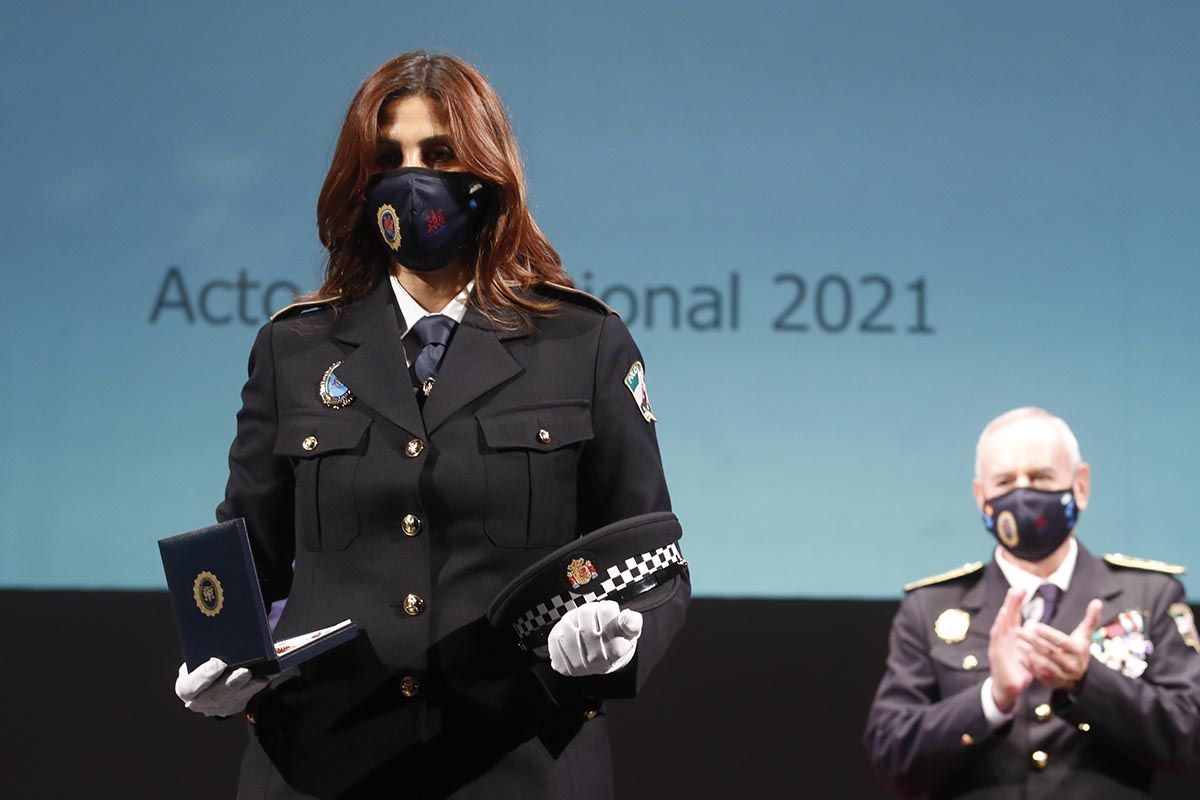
[(617, 577)]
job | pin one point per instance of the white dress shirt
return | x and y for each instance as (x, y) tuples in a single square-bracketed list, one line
[(412, 311)]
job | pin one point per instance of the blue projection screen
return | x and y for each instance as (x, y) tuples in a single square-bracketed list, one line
[(844, 235)]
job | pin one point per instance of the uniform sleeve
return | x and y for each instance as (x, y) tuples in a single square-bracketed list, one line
[(620, 476), (260, 486), (914, 736), (621, 472), (1155, 718)]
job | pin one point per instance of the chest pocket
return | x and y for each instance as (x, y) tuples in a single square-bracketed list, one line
[(325, 451), (530, 460), (961, 665)]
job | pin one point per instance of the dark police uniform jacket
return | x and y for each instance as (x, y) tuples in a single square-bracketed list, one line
[(926, 731), (409, 521)]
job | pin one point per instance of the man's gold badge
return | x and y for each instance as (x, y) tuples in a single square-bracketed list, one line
[(952, 625)]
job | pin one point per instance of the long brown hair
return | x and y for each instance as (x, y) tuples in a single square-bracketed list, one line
[(511, 252)]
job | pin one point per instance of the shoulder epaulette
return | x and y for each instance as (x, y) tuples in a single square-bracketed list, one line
[(1133, 562), (302, 305), (948, 575), (577, 296)]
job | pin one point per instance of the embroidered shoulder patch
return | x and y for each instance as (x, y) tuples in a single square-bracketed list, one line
[(635, 382), (1185, 621)]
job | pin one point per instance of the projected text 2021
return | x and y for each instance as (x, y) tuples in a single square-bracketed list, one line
[(831, 303)]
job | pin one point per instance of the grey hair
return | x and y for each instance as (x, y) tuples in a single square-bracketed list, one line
[(1028, 412)]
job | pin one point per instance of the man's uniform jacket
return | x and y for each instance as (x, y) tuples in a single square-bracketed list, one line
[(528, 439), (926, 731)]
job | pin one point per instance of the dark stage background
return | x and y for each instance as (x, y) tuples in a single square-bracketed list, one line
[(756, 698)]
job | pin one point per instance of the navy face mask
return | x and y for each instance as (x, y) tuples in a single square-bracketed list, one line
[(425, 216), (1031, 523)]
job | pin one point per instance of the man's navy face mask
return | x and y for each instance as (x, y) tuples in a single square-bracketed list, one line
[(1031, 523), (425, 216)]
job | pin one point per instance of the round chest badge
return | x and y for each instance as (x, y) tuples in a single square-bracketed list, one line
[(208, 594), (334, 393), (389, 226), (1006, 529), (952, 625)]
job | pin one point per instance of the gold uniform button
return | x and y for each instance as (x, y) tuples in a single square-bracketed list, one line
[(1040, 759), (409, 686), (1084, 727), (253, 720), (411, 525), (544, 436), (968, 740), (309, 443), (413, 604), (970, 662), (1042, 712), (590, 713), (414, 448)]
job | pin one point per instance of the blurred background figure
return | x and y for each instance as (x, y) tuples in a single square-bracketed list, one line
[(1047, 672)]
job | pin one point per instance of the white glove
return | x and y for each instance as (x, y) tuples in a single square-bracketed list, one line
[(594, 639), (208, 691)]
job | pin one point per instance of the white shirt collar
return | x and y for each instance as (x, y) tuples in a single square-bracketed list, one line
[(1028, 582), (412, 311)]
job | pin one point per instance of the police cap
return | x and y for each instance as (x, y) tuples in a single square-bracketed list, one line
[(626, 561)]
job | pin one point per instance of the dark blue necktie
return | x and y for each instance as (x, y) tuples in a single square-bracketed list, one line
[(1049, 594), (431, 333)]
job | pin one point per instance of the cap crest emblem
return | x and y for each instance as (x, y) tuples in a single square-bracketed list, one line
[(580, 572)]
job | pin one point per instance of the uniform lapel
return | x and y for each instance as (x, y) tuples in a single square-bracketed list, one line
[(984, 599), (375, 370), (476, 361), (1090, 579)]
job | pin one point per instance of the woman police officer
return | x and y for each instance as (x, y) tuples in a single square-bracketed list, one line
[(398, 467)]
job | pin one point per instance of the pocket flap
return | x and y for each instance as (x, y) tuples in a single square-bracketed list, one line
[(966, 657), (543, 428), (309, 435)]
